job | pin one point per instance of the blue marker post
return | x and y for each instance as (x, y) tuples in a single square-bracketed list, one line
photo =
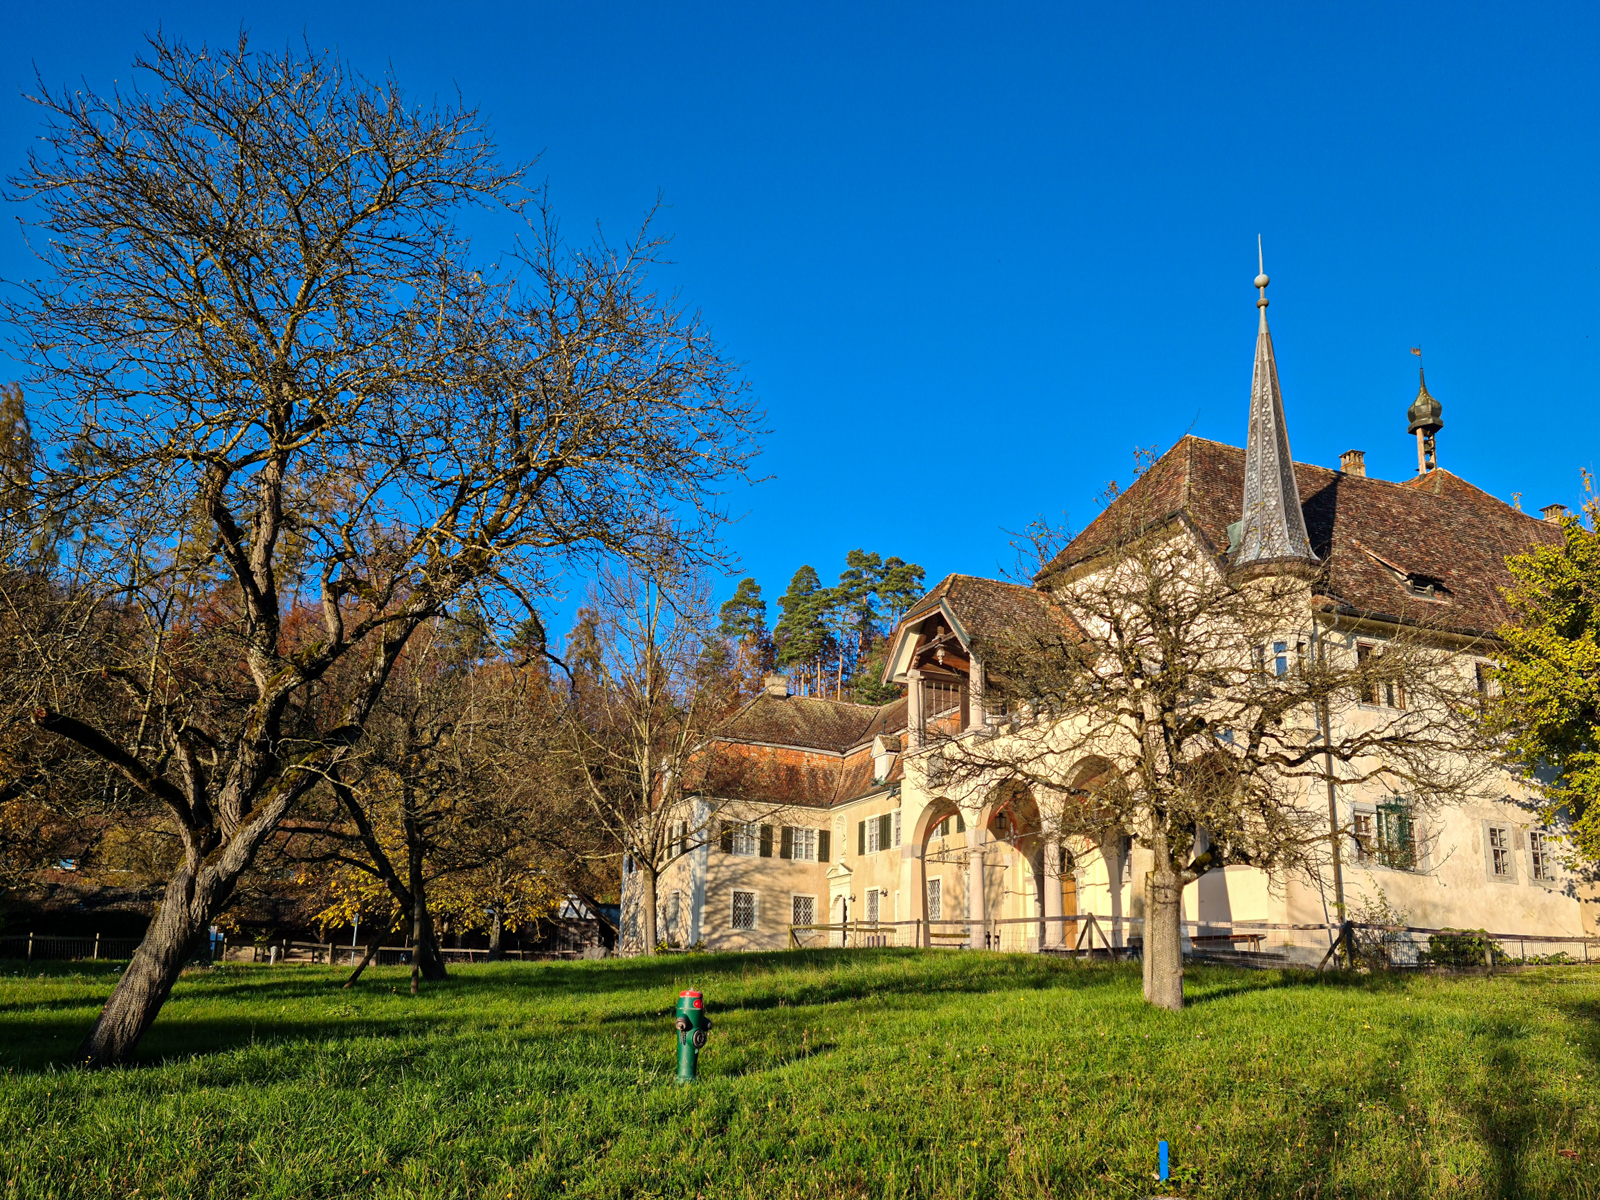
[(1161, 1154)]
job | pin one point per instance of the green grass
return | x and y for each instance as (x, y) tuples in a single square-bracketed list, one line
[(866, 1073)]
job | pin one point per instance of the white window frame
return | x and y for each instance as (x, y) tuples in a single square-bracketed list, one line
[(1500, 838), (874, 913), (1540, 866), (802, 844), (794, 915), (874, 829), (897, 827), (747, 839), (936, 899), (1375, 851), (733, 910)]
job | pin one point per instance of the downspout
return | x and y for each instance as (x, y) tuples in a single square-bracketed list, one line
[(1327, 769)]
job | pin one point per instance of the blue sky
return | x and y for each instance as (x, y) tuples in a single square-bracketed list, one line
[(972, 256)]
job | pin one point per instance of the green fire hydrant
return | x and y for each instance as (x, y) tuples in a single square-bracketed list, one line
[(692, 1025)]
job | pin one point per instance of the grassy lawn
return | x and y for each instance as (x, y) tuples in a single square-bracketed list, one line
[(865, 1073)]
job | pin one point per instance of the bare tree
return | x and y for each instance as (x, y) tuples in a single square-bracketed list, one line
[(305, 422), (643, 708), (1203, 711)]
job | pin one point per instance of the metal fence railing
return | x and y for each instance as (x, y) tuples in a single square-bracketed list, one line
[(1259, 942), (42, 946)]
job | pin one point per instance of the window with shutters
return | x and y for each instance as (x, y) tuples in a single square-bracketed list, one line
[(746, 839), (744, 910), (885, 831), (1499, 844), (935, 900), (766, 841), (1385, 835), (803, 910), (951, 824), (800, 844), (824, 845), (1540, 865), (874, 835)]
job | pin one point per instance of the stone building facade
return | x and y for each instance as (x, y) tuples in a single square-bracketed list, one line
[(852, 824)]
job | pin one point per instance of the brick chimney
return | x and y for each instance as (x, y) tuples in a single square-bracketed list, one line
[(777, 686), (1554, 513), (1354, 462)]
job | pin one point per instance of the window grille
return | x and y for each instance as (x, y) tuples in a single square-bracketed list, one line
[(944, 706), (874, 904), (935, 900), (1539, 864), (1500, 860), (744, 910), (804, 910)]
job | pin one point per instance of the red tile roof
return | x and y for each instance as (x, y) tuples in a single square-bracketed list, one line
[(1369, 533)]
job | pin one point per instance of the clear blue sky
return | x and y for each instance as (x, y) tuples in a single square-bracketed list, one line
[(972, 255)]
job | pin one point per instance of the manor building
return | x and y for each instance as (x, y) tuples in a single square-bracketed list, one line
[(844, 815)]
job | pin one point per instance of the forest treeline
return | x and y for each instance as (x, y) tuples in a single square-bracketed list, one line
[(830, 641)]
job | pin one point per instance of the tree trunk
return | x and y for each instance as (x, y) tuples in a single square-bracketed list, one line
[(187, 908), (381, 931), (496, 934), (1163, 934), (425, 958), (647, 881)]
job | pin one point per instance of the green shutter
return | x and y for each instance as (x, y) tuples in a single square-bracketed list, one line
[(885, 829), (766, 841), (786, 843), (824, 845), (861, 837), (961, 826), (726, 840)]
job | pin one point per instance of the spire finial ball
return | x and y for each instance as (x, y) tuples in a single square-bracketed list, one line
[(1261, 281)]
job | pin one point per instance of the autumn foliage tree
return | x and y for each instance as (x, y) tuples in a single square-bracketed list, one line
[(297, 419)]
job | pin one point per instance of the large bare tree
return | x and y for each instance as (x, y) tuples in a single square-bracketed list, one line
[(305, 420), (1203, 711)]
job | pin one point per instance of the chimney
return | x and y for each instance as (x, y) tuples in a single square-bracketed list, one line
[(1554, 513), (1354, 462), (777, 686)]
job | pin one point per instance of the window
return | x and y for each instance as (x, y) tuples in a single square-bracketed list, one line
[(935, 900), (874, 905), (943, 829), (897, 827), (744, 910), (674, 907), (1376, 690), (1385, 835), (746, 839), (1280, 659), (1501, 863), (885, 831), (803, 910), (1540, 865), (798, 844)]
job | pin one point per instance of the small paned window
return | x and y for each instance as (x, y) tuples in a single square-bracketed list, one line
[(799, 844), (744, 910), (1539, 863), (1501, 863), (874, 835), (804, 910), (746, 839), (897, 827), (935, 899), (1280, 659), (1396, 845)]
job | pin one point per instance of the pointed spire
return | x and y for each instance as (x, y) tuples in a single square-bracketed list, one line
[(1272, 528), (1424, 418)]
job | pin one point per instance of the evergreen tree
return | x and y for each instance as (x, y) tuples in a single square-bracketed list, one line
[(744, 625), (801, 637)]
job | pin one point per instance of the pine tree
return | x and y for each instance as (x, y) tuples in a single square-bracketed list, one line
[(801, 636), (744, 624)]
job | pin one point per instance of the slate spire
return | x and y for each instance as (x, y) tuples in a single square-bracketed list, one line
[(1272, 529)]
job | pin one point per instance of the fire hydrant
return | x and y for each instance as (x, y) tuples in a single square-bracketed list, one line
[(692, 1026)]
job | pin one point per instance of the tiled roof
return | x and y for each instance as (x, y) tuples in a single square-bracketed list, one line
[(813, 724), (1365, 530), (992, 608)]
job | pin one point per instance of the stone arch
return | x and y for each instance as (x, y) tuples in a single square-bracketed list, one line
[(935, 811), (1096, 784)]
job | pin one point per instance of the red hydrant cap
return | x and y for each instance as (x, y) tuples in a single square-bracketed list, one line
[(685, 995)]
